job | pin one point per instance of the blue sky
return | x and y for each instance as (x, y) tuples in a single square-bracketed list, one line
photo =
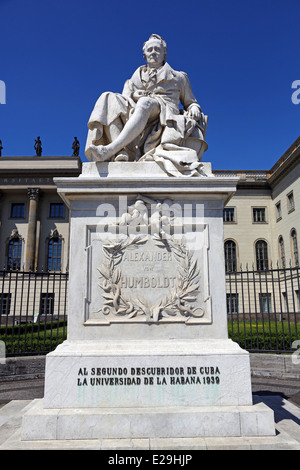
[(241, 56)]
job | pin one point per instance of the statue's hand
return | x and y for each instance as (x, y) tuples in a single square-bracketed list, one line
[(194, 112), (138, 94)]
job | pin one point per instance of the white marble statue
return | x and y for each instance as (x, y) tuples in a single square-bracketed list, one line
[(145, 121)]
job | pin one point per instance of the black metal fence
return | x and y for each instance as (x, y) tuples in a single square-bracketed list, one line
[(33, 311), (263, 309)]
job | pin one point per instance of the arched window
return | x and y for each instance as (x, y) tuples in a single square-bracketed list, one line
[(14, 254), (54, 252), (295, 247), (230, 256), (261, 252), (281, 251)]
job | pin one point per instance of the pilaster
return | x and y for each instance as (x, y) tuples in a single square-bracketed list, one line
[(30, 261)]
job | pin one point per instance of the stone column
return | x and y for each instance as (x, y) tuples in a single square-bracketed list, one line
[(33, 194)]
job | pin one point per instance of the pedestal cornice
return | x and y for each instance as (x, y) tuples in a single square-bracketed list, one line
[(135, 177)]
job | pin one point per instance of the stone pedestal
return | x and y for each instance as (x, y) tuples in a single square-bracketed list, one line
[(147, 353)]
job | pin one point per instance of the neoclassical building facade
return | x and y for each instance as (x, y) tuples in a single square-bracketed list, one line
[(34, 221), (262, 220)]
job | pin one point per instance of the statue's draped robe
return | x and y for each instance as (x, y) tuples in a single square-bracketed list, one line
[(174, 140)]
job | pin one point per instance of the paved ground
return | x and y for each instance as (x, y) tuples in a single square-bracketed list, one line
[(21, 390), (287, 388)]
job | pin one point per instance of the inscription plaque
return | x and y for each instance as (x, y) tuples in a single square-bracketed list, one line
[(147, 278)]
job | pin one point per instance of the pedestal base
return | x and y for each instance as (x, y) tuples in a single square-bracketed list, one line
[(138, 423), (141, 389)]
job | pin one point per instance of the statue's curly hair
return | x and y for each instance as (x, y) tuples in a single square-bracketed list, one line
[(156, 36)]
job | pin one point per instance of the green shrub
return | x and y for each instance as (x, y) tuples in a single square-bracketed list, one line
[(268, 336), (33, 338)]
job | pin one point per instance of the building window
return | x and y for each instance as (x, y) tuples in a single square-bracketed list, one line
[(232, 301), (295, 247), (54, 252), (46, 303), (278, 211), (265, 303), (291, 202), (5, 299), (261, 251), (259, 214), (285, 302), (229, 214), (230, 256), (14, 253), (281, 251), (17, 211), (56, 210)]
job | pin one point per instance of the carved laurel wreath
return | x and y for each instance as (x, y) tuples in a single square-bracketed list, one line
[(177, 302)]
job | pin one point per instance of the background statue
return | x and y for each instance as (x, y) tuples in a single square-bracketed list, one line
[(75, 147), (38, 147), (145, 121)]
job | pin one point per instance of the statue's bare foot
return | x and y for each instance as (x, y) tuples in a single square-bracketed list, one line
[(122, 156), (101, 153)]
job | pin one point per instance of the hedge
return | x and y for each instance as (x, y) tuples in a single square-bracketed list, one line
[(35, 338), (269, 336)]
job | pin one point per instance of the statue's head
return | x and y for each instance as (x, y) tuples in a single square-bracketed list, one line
[(155, 39)]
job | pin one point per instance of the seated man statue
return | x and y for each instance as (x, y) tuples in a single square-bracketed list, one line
[(145, 122)]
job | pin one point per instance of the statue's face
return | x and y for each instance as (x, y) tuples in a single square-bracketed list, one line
[(154, 52)]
